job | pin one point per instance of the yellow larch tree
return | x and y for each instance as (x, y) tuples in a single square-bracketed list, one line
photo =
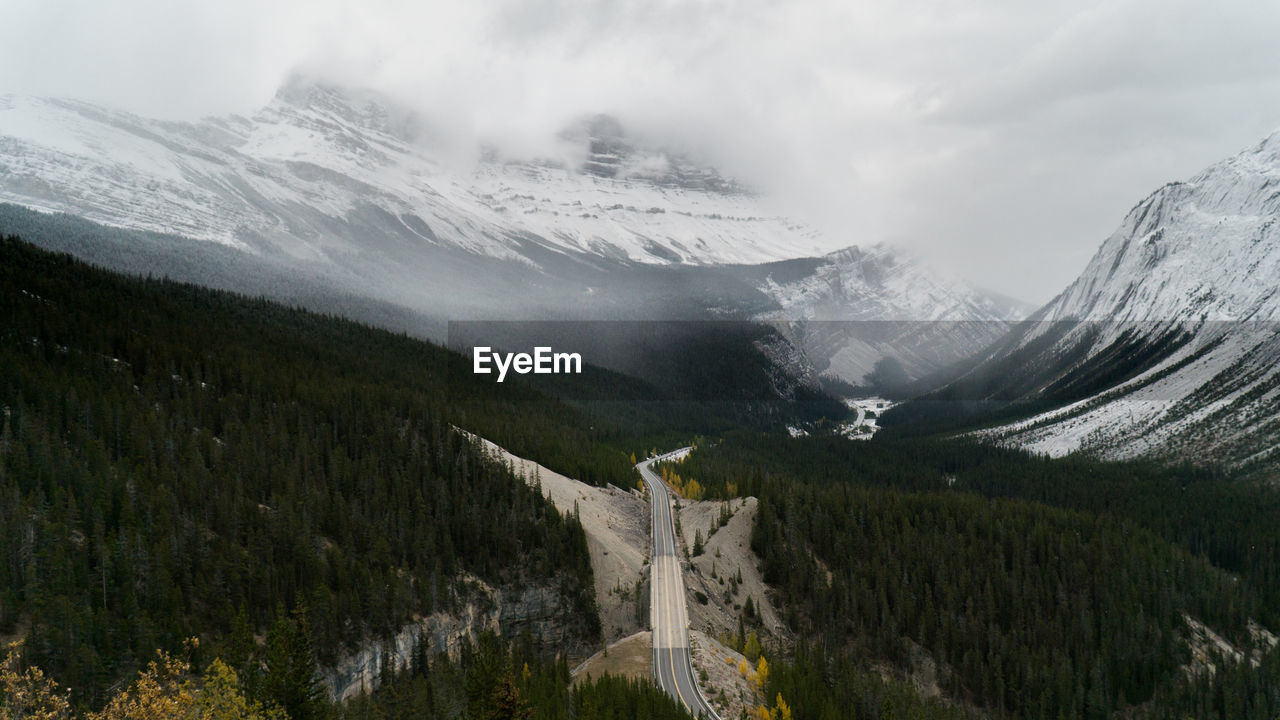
[(161, 692), (762, 674), (28, 694)]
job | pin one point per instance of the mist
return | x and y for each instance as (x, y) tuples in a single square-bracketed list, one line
[(1001, 140)]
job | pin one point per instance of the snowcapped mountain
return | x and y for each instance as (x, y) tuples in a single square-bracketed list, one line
[(349, 187), (855, 309), (1169, 341), (1196, 251), (882, 282), (313, 170)]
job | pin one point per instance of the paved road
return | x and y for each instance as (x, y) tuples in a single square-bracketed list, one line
[(668, 616)]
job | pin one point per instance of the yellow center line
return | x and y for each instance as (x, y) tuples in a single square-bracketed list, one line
[(677, 682), (668, 528)]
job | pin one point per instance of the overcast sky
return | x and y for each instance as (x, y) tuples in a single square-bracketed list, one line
[(1001, 139)]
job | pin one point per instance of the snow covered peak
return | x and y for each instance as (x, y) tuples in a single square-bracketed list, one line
[(301, 176), (346, 183), (1203, 250), (886, 282), (854, 308), (610, 152), (1166, 343), (364, 109)]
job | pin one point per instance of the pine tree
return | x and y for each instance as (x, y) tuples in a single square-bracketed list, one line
[(240, 647), (506, 703), (290, 675)]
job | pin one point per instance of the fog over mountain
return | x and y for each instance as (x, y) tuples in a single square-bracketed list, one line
[(342, 190), (1000, 142), (636, 359)]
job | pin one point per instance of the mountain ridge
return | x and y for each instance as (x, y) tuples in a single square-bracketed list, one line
[(344, 185), (1165, 344)]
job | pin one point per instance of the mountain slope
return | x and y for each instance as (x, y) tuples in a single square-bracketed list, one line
[(1166, 343), (347, 189), (855, 309), (178, 462), (893, 551), (320, 164)]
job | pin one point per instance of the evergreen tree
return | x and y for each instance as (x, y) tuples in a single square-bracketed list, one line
[(290, 678), (506, 704)]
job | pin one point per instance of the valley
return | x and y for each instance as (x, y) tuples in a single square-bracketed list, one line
[(303, 411), (797, 556)]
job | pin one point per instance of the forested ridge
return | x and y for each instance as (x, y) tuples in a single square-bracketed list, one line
[(172, 456), (509, 682), (177, 462), (878, 549), (1231, 521), (491, 678), (676, 379)]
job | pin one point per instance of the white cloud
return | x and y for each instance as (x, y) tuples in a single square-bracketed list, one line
[(1004, 139)]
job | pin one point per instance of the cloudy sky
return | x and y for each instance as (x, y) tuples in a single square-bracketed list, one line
[(1002, 139)]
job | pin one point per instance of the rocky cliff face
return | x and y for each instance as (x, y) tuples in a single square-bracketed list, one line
[(506, 612)]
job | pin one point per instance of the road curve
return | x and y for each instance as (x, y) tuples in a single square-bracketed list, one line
[(668, 615)]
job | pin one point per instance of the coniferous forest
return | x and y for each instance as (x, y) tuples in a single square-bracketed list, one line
[(177, 462), (256, 490), (1041, 588), (500, 681)]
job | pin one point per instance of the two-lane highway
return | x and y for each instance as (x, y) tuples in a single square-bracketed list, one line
[(668, 615)]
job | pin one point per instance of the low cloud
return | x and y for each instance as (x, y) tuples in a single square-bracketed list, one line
[(1003, 140)]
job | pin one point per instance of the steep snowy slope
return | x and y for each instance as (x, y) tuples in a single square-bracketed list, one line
[(1167, 344), (309, 173)]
